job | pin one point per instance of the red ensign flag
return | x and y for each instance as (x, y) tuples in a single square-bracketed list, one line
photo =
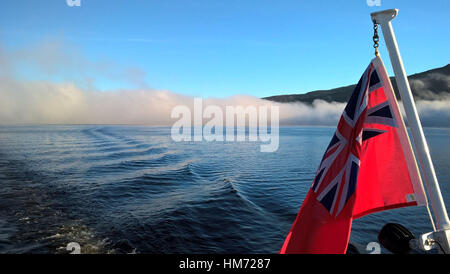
[(368, 166)]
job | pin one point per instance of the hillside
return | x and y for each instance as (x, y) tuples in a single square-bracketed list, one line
[(428, 85)]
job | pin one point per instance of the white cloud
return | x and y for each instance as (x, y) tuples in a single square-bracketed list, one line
[(73, 102)]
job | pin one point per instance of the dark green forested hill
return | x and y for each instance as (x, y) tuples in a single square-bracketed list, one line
[(428, 85)]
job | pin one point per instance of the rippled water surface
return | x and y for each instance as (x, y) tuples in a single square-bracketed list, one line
[(131, 189)]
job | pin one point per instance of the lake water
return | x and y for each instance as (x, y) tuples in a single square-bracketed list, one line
[(131, 189)]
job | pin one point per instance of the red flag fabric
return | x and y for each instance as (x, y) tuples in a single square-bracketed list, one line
[(368, 167)]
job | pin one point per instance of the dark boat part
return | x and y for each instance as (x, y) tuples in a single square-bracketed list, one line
[(395, 238)]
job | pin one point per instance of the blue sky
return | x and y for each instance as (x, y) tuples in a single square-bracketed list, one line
[(220, 48)]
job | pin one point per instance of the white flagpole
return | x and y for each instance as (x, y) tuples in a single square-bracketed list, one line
[(383, 18)]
